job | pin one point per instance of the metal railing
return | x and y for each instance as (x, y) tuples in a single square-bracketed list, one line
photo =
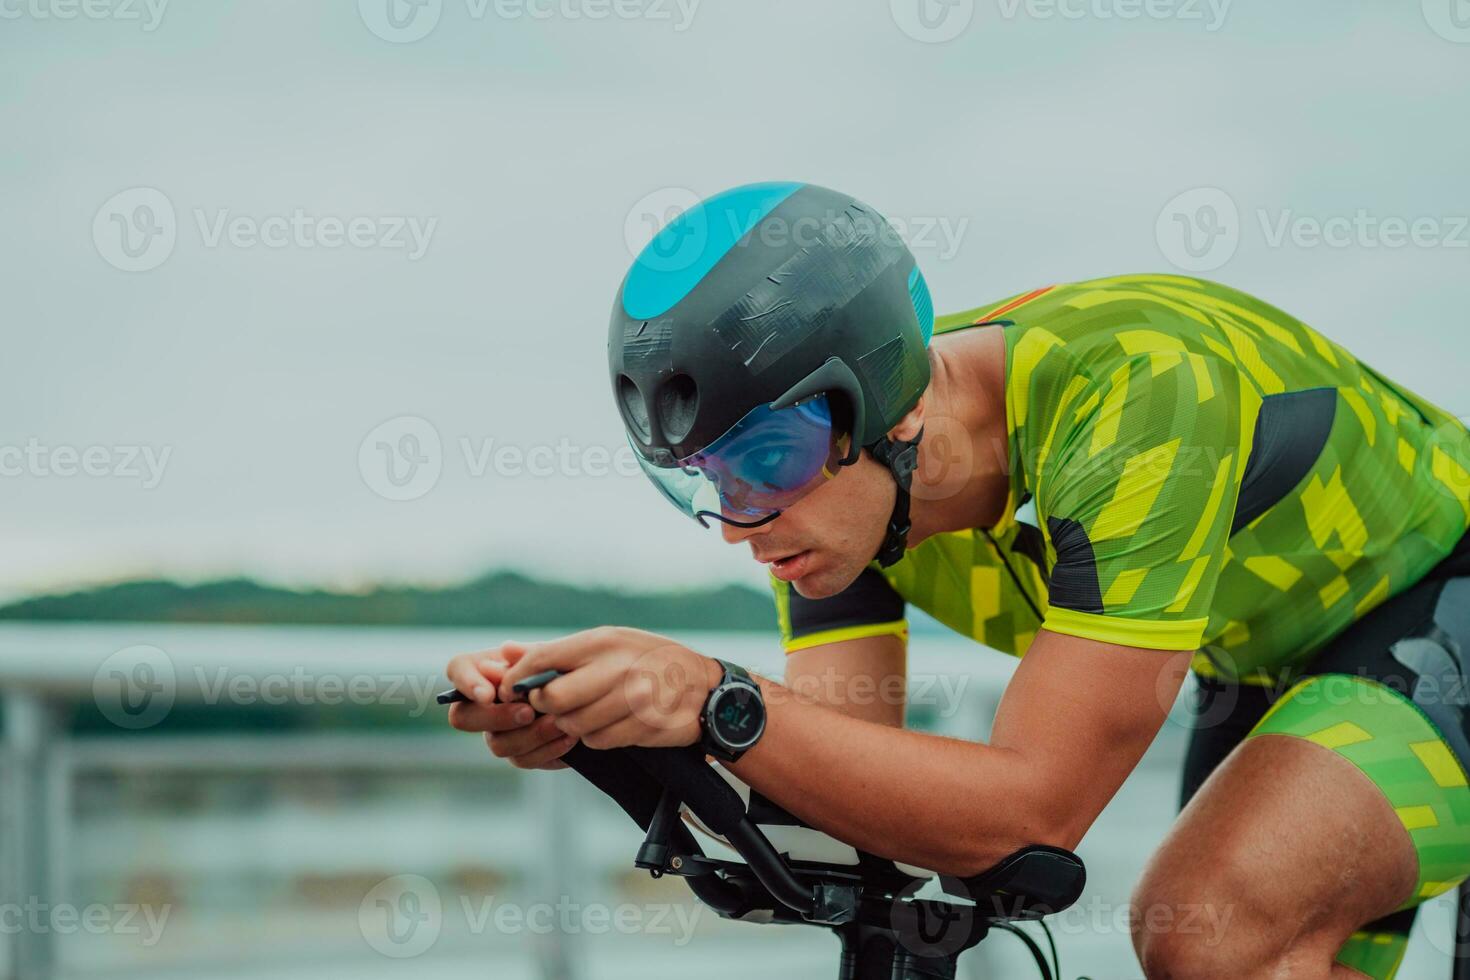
[(46, 673), (42, 763)]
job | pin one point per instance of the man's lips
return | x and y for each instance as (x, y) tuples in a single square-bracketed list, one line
[(789, 567)]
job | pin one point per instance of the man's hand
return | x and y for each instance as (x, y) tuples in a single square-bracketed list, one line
[(620, 687), (511, 730)]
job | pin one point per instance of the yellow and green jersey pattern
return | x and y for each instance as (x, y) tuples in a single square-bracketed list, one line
[(1191, 469)]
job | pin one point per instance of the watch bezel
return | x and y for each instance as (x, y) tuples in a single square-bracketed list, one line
[(729, 689), (732, 677)]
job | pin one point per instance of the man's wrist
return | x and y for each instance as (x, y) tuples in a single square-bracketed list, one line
[(714, 672)]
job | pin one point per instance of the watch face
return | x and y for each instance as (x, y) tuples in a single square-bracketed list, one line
[(738, 716)]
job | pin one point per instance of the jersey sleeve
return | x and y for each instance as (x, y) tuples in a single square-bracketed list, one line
[(867, 607), (1139, 496)]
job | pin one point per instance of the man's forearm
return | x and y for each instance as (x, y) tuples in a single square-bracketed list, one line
[(948, 805)]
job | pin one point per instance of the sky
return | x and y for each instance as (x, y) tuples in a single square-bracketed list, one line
[(318, 292)]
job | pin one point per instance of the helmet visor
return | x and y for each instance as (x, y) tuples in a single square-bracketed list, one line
[(763, 464)]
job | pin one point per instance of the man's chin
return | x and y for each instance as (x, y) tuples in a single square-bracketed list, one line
[(823, 583)]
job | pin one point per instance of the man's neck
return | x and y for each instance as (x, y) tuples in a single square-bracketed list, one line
[(964, 459)]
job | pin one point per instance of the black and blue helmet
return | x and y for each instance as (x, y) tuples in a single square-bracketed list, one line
[(768, 294), (760, 342)]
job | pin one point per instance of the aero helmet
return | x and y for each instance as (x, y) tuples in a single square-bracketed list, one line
[(756, 321)]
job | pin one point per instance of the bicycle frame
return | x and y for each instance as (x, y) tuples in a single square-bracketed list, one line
[(886, 932)]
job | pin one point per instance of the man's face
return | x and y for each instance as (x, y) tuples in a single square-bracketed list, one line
[(822, 543)]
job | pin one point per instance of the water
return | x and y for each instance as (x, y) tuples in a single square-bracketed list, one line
[(266, 847)]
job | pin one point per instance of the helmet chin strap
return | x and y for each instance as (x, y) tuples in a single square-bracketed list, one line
[(901, 457)]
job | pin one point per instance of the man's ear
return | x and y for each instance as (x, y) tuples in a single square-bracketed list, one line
[(908, 427)]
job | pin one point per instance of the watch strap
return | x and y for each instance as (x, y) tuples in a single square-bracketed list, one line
[(731, 670)]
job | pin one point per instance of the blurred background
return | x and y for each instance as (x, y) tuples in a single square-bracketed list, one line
[(305, 310)]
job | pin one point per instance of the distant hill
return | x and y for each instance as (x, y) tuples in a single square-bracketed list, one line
[(496, 599)]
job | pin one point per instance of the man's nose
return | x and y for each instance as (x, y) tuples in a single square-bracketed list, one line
[(734, 534)]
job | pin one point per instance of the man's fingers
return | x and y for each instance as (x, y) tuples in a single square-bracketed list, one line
[(610, 708), (576, 689), (518, 742), (547, 756), (630, 731), (476, 674), (535, 747), (563, 654), (550, 766), (471, 716)]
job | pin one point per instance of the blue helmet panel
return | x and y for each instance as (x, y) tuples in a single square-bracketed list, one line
[(687, 248)]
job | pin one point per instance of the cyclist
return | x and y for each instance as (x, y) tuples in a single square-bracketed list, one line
[(1118, 479)]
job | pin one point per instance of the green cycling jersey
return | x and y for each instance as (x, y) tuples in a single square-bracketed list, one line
[(1190, 469)]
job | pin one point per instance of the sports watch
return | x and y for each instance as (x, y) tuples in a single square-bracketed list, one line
[(734, 714)]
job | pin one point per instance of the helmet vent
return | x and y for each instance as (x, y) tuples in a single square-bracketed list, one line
[(635, 415), (678, 407)]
